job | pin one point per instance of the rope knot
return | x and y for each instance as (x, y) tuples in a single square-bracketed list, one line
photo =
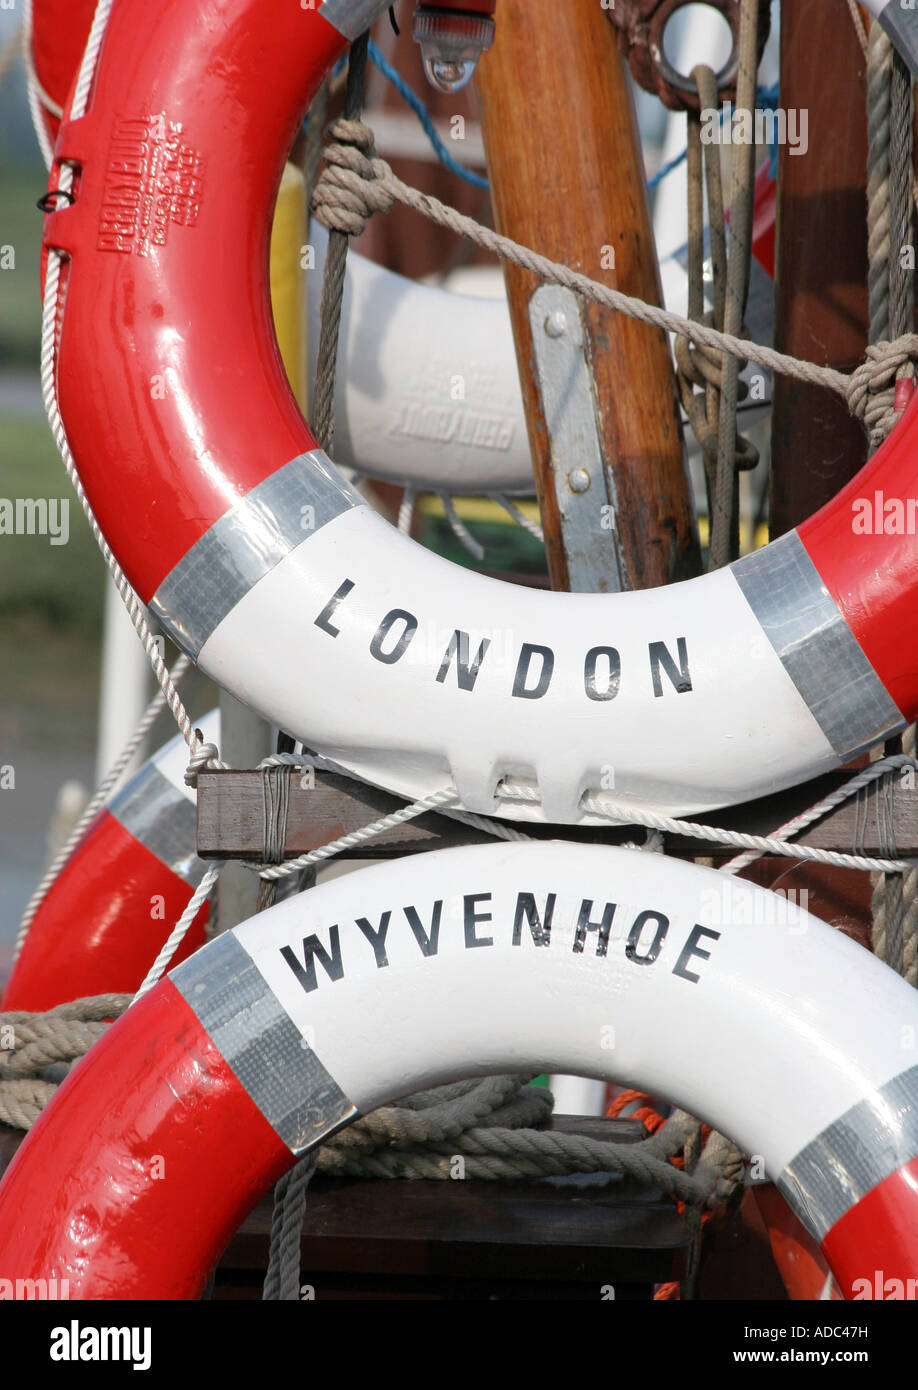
[(699, 376), (349, 189), (871, 388), (203, 758)]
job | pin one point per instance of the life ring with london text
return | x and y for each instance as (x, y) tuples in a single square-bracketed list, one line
[(260, 560)]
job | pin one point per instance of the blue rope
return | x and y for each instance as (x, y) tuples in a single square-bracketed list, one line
[(423, 115), (660, 175), (766, 97)]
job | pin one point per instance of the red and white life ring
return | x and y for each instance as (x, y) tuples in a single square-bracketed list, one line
[(400, 341), (465, 962), (103, 920), (261, 561)]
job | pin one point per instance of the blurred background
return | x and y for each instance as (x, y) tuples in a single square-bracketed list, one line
[(50, 597)]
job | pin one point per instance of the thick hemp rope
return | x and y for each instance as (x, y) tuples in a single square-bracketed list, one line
[(32, 1042), (495, 1126), (323, 403), (147, 719), (894, 903)]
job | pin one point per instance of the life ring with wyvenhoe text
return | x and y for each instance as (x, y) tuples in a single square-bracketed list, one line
[(262, 562), (461, 963), (100, 925)]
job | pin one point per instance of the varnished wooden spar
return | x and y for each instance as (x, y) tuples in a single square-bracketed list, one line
[(821, 258), (567, 178)]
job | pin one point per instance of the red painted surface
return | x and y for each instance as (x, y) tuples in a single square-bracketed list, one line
[(60, 29), (802, 1265), (764, 213), (171, 382), (873, 575), (94, 933), (146, 1161), (877, 1240)]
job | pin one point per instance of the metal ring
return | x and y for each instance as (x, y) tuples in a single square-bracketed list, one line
[(724, 77), (44, 203)]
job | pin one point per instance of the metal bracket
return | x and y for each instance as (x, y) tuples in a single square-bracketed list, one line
[(589, 525)]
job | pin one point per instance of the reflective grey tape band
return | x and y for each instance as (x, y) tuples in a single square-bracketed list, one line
[(902, 27), (162, 819), (265, 1050), (817, 648), (352, 17), (848, 1159), (246, 544)]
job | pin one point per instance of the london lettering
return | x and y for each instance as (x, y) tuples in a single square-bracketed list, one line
[(461, 659)]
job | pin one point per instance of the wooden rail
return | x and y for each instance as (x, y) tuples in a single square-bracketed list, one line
[(231, 811)]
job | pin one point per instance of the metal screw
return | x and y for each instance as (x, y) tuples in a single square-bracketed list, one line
[(578, 480), (556, 324)]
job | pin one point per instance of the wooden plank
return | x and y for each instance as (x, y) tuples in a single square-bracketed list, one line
[(245, 738), (231, 819), (567, 178)]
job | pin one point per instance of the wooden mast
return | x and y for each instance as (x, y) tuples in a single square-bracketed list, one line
[(567, 178)]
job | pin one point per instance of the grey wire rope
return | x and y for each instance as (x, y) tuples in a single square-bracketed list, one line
[(724, 543)]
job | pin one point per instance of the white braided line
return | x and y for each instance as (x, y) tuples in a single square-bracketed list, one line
[(145, 723), (406, 511), (90, 59), (50, 310), (518, 516), (501, 830), (601, 804), (460, 530), (136, 610), (34, 89), (356, 837), (828, 803), (179, 932), (859, 26)]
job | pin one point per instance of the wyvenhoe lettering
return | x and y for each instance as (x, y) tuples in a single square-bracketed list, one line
[(647, 938)]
